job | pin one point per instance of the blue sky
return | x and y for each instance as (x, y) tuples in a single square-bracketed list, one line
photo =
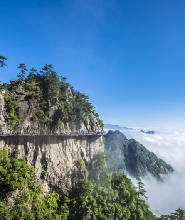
[(128, 56)]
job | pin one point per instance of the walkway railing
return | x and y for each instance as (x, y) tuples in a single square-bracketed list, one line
[(41, 133)]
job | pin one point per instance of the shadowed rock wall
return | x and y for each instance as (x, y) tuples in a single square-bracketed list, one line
[(55, 158)]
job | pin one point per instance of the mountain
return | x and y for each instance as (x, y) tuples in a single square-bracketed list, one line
[(49, 176), (148, 132), (115, 127), (136, 158)]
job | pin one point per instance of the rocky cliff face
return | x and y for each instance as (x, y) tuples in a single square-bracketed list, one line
[(2, 113), (28, 117), (55, 158)]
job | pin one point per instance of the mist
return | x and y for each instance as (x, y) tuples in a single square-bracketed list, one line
[(168, 144)]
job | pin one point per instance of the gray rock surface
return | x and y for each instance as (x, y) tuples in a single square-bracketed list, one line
[(55, 158), (27, 110)]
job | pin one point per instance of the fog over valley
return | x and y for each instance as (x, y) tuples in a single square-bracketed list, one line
[(169, 145)]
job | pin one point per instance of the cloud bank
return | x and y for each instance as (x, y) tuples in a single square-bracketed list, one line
[(164, 197)]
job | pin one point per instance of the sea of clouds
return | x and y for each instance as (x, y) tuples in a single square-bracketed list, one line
[(168, 144)]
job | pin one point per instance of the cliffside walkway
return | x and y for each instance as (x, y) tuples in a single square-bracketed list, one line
[(72, 134)]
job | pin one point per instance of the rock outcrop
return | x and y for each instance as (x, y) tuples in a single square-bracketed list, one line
[(28, 119)]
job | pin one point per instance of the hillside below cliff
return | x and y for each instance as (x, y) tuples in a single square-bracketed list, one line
[(134, 157)]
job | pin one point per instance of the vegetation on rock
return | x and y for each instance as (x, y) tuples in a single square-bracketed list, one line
[(137, 160), (20, 196), (52, 101), (104, 195)]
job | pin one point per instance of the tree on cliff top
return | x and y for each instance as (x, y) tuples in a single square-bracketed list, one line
[(30, 77), (21, 75), (50, 83)]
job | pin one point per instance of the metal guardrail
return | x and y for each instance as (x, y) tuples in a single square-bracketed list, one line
[(55, 134)]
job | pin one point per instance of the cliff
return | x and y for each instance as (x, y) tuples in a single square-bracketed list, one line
[(55, 158)]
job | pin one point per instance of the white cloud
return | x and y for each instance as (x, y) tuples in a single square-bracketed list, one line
[(168, 145)]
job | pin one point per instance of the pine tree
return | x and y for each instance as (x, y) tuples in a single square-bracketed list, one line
[(2, 61), (178, 215), (32, 72), (21, 75)]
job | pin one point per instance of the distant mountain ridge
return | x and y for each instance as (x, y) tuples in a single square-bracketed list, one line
[(148, 132), (136, 158), (115, 127)]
